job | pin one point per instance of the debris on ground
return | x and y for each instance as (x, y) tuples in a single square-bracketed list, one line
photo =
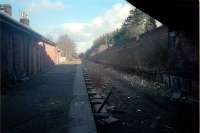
[(110, 120), (139, 105), (176, 95)]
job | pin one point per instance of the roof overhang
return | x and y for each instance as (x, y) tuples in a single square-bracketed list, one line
[(26, 29)]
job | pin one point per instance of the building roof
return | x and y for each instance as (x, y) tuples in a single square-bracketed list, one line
[(4, 18)]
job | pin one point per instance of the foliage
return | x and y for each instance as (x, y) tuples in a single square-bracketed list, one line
[(67, 46), (150, 24), (135, 24)]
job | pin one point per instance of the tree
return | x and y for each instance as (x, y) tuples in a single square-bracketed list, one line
[(150, 24), (128, 20), (67, 46), (120, 36), (139, 17), (134, 25)]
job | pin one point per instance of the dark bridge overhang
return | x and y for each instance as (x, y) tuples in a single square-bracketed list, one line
[(176, 14)]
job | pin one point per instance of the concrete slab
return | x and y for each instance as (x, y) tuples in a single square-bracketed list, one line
[(81, 118)]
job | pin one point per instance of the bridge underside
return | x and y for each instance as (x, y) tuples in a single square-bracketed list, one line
[(181, 15)]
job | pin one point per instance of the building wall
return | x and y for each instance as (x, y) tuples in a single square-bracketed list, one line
[(23, 54)]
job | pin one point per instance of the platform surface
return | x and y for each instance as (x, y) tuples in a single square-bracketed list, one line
[(55, 101)]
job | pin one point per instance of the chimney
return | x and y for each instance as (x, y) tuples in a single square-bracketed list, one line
[(6, 8), (24, 18)]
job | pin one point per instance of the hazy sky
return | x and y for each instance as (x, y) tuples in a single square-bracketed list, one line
[(82, 20)]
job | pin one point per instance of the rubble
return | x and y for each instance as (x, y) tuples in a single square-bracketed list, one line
[(110, 120), (101, 115), (157, 117), (96, 101), (114, 110), (154, 124), (25, 79), (141, 122), (175, 95), (135, 102)]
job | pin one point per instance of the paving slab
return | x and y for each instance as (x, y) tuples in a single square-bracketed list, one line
[(81, 118)]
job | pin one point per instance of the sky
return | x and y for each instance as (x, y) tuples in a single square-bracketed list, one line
[(82, 20)]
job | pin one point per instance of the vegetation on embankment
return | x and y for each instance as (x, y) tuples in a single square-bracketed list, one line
[(136, 24), (147, 53), (138, 44)]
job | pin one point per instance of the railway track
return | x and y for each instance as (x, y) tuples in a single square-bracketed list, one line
[(98, 102)]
